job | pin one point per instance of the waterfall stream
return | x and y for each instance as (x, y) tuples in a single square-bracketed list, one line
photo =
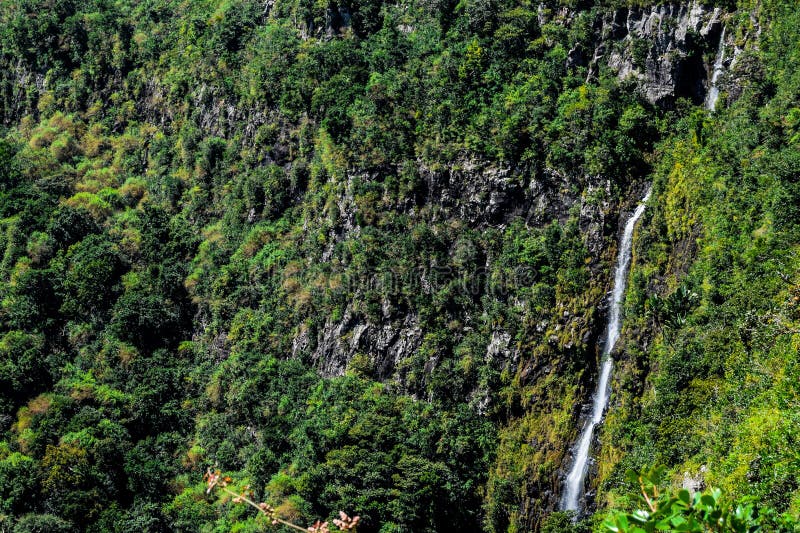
[(713, 91), (573, 490)]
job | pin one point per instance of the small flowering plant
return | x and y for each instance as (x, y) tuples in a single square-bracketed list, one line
[(216, 481)]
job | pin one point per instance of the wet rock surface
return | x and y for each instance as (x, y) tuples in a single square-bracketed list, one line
[(663, 49)]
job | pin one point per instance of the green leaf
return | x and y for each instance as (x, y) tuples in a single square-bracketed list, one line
[(610, 525), (665, 504), (707, 500), (640, 517), (663, 525), (678, 520)]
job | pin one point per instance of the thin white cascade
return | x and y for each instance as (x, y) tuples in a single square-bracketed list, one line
[(572, 496), (719, 67)]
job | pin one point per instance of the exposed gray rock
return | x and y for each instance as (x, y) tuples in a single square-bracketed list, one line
[(484, 194), (25, 86), (694, 483), (498, 346), (594, 206), (661, 49), (385, 344)]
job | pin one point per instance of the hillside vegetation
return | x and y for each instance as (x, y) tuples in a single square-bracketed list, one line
[(356, 255)]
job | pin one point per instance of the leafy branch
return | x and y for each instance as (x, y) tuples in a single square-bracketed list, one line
[(682, 511), (215, 480)]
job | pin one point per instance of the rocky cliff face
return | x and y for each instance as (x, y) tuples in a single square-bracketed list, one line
[(666, 50), (425, 199), (484, 196), (19, 89), (662, 49)]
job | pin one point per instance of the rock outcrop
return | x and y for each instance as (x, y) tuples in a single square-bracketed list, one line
[(667, 49)]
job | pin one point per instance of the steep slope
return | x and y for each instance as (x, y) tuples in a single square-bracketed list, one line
[(710, 384), (357, 254)]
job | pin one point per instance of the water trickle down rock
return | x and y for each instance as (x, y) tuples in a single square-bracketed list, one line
[(572, 497), (713, 91)]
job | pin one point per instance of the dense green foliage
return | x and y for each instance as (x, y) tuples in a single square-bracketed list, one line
[(716, 391), (195, 195), (684, 511)]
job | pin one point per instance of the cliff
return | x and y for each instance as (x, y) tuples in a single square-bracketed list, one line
[(359, 255)]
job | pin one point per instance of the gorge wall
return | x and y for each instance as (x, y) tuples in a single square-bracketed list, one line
[(359, 253)]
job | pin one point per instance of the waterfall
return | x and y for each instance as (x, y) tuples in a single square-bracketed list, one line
[(713, 91), (573, 489)]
